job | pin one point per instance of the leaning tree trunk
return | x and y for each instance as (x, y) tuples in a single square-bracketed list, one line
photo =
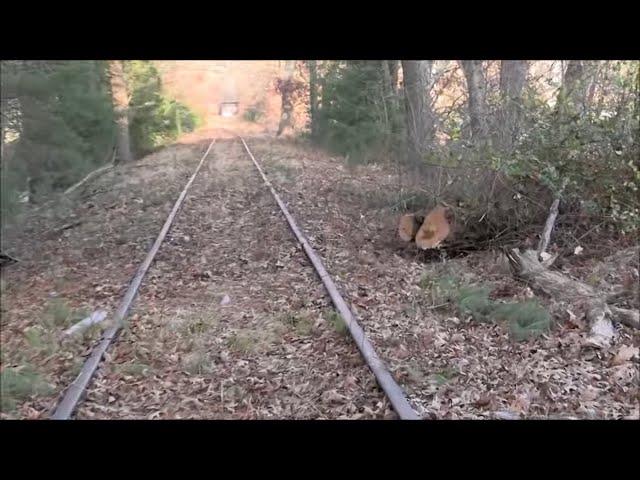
[(513, 76), (286, 93), (419, 118), (476, 89), (120, 98)]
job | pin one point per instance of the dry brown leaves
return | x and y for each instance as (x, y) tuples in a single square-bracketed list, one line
[(452, 367), (231, 321)]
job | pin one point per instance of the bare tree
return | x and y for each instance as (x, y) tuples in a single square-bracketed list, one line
[(120, 98), (513, 77), (476, 88), (417, 78)]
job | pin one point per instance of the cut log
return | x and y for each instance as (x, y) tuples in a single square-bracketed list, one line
[(409, 226), (434, 230)]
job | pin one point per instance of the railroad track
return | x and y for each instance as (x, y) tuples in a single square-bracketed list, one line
[(75, 392)]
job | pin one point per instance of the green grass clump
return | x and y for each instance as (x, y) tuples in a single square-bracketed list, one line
[(242, 341), (336, 321), (300, 323), (18, 384), (442, 289), (526, 319), (475, 301)]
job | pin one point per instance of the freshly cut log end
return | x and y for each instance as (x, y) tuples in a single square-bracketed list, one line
[(409, 226), (434, 230)]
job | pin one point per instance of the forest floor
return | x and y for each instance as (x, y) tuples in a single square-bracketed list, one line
[(232, 322)]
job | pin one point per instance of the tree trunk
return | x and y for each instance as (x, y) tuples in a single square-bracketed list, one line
[(390, 96), (572, 96), (120, 98), (313, 97), (476, 88), (33, 116), (394, 68), (419, 118), (2, 122), (513, 76), (636, 116), (387, 83), (286, 115)]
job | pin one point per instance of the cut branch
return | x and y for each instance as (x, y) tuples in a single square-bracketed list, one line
[(548, 227), (91, 175), (93, 319), (527, 266)]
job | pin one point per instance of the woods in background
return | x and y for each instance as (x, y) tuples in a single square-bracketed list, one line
[(567, 129), (62, 119), (469, 132)]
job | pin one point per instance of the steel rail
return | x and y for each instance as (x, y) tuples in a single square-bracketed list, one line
[(75, 391), (393, 391)]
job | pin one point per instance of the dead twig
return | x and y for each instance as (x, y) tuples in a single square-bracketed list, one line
[(548, 226)]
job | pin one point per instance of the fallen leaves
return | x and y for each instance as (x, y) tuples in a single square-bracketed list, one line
[(625, 354), (453, 369), (418, 342), (260, 358)]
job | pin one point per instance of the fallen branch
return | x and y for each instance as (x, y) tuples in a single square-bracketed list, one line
[(599, 313), (7, 259), (91, 175), (630, 318), (530, 267), (93, 319), (67, 226), (548, 226)]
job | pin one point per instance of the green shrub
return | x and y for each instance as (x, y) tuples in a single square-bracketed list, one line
[(155, 119), (526, 319), (18, 384)]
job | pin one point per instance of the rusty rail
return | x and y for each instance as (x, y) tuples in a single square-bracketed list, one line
[(386, 381), (74, 392)]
